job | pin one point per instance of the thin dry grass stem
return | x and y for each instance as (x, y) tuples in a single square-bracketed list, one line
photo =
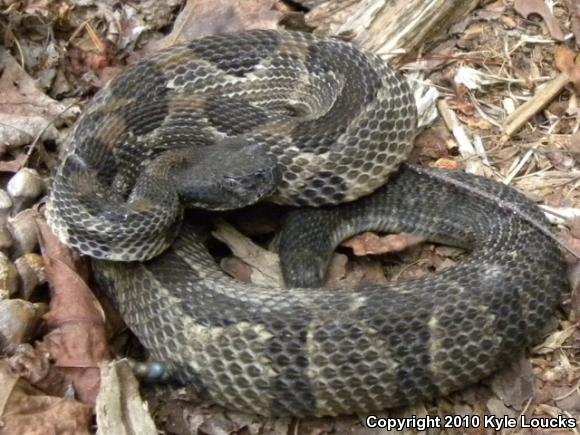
[(78, 30), (517, 166), (575, 389), (16, 43), (36, 140)]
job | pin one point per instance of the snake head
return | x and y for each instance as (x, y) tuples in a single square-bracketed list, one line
[(240, 189), (230, 175)]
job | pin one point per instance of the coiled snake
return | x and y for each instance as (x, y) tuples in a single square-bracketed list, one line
[(225, 121)]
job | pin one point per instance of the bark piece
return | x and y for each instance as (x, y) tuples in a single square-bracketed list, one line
[(120, 409)]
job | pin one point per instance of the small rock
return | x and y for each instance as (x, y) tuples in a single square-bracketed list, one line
[(25, 187)]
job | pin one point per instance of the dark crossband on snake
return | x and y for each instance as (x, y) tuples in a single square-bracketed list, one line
[(226, 121)]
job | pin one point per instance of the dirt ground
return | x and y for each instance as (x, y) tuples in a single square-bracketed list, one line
[(507, 84)]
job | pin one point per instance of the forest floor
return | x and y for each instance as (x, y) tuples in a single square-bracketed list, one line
[(507, 80)]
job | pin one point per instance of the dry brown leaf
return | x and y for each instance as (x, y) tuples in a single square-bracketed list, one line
[(565, 61), (372, 244), (449, 164), (432, 143), (336, 270), (563, 162), (25, 410), (77, 340), (25, 111), (492, 11), (528, 7), (496, 406), (13, 165), (364, 272), (574, 10), (360, 272), (555, 340), (479, 123), (208, 17), (514, 384), (462, 101), (35, 366), (328, 16), (237, 269)]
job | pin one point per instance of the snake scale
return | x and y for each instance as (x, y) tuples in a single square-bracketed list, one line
[(228, 120)]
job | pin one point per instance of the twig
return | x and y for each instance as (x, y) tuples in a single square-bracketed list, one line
[(566, 63), (41, 132), (464, 144), (542, 98), (518, 167)]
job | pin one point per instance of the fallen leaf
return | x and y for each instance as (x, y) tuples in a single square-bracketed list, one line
[(77, 338), (237, 269), (479, 123), (365, 272), (569, 401), (432, 143), (514, 384), (563, 162), (13, 165), (201, 17), (555, 340), (361, 272), (528, 7), (449, 164), (496, 406), (35, 366), (336, 270), (26, 410), (372, 244), (328, 16), (565, 61), (25, 111), (574, 10)]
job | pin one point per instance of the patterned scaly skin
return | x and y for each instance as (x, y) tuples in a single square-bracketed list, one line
[(301, 352), (336, 120)]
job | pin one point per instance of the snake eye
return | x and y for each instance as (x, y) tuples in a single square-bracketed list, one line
[(230, 182)]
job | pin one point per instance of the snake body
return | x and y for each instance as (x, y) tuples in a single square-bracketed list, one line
[(335, 123)]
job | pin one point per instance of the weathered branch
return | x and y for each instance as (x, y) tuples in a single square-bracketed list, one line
[(390, 28)]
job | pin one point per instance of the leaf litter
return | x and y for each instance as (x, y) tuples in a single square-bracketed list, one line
[(511, 112)]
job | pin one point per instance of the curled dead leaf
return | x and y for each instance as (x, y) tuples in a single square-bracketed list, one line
[(77, 340), (565, 60), (201, 17), (449, 164), (555, 340), (35, 366), (528, 7), (25, 111), (372, 244), (27, 410)]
